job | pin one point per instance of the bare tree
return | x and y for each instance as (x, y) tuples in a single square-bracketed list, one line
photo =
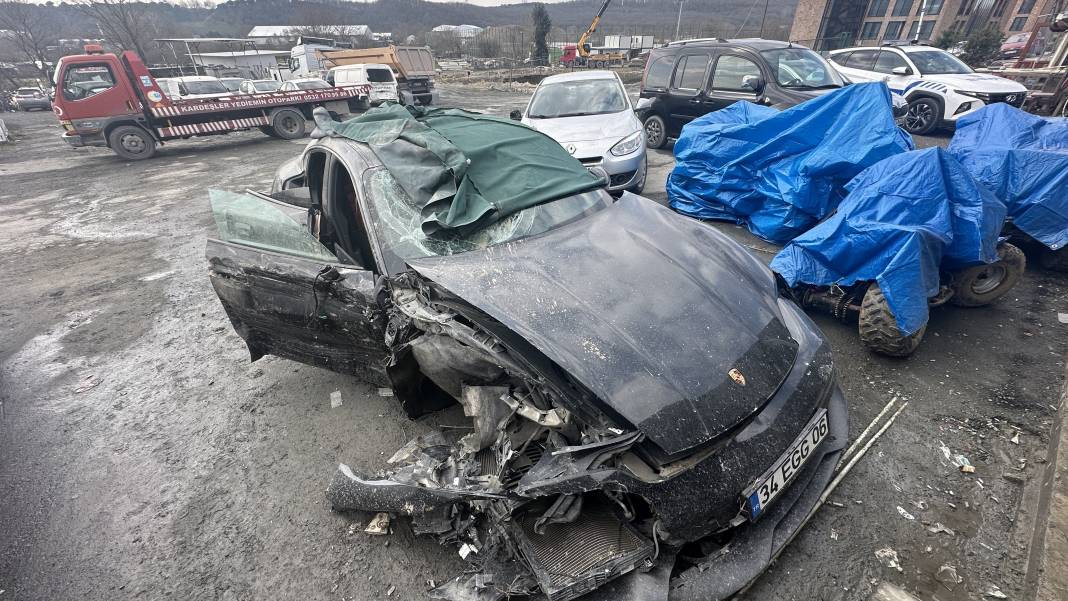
[(32, 32), (124, 23)]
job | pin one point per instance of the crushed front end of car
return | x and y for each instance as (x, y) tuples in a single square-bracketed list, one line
[(654, 443)]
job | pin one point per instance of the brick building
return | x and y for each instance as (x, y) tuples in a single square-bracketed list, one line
[(829, 24)]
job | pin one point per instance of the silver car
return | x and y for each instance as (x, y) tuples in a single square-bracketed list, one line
[(26, 99), (590, 115)]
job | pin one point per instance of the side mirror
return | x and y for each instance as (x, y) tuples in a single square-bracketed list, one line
[(516, 115), (901, 71), (754, 83)]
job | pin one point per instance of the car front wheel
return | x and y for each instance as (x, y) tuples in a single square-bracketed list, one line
[(923, 116), (655, 132)]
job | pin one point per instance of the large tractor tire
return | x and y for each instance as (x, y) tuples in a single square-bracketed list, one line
[(984, 284), (132, 143), (288, 124), (878, 328)]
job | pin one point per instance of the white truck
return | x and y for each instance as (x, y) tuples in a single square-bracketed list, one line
[(413, 67)]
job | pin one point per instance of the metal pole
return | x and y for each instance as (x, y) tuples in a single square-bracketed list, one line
[(763, 18), (919, 23), (678, 24)]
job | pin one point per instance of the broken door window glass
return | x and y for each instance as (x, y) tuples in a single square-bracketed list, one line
[(250, 220)]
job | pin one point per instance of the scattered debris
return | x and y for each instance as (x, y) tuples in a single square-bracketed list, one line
[(921, 505), (389, 591), (379, 525), (385, 392), (335, 399), (1016, 477), (938, 527), (1062, 317), (905, 514), (89, 382), (834, 534), (1015, 438), (888, 557), (994, 591), (889, 592), (467, 549), (835, 504), (967, 469), (353, 527), (947, 575)]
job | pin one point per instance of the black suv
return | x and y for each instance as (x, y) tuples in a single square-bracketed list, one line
[(685, 80)]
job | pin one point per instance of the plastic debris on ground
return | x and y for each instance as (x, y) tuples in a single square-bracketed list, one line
[(903, 220), (335, 399), (995, 592), (1023, 159), (780, 173), (379, 525), (939, 528), (905, 514), (947, 575), (888, 557)]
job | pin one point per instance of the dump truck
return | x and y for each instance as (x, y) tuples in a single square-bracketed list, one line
[(113, 101), (413, 66)]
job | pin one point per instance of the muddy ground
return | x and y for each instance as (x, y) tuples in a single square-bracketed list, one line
[(143, 457)]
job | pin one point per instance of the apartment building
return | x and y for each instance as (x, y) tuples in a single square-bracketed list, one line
[(829, 24)]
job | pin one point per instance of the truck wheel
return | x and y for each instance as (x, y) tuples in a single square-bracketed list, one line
[(132, 142), (923, 116), (425, 99), (655, 132), (267, 129), (984, 284), (1054, 260), (288, 124), (878, 329)]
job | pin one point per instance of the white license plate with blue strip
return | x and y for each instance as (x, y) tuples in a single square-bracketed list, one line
[(774, 481)]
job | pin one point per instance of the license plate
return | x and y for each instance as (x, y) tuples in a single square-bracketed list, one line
[(775, 480)]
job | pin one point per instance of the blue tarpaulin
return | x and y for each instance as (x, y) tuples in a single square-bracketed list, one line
[(1023, 159), (782, 172), (903, 220)]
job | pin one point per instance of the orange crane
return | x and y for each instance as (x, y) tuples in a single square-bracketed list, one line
[(579, 55)]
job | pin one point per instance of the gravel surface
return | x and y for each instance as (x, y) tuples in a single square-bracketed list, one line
[(143, 457)]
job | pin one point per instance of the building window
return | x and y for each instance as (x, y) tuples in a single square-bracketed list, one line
[(925, 31), (999, 8), (1026, 6), (902, 8), (893, 30), (1018, 24), (877, 8), (871, 30), (934, 7), (965, 8)]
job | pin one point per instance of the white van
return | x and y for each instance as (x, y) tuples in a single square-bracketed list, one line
[(380, 77)]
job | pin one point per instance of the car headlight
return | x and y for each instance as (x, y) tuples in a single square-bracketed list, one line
[(628, 145), (979, 95)]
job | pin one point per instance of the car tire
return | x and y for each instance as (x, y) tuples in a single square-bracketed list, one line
[(878, 329), (983, 284), (288, 124), (132, 143), (655, 132), (923, 116)]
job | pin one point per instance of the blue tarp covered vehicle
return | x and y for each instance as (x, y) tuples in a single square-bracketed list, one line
[(1023, 160), (919, 227), (780, 173)]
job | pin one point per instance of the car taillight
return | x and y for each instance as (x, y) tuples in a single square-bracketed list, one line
[(645, 72)]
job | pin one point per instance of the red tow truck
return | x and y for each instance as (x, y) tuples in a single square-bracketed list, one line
[(112, 100)]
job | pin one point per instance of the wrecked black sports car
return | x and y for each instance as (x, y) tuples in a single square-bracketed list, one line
[(652, 418)]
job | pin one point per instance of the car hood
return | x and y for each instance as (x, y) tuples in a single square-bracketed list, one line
[(611, 127), (978, 82), (675, 328)]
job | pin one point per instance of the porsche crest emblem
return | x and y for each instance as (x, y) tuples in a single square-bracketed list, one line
[(737, 376)]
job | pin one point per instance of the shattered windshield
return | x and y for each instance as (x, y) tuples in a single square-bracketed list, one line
[(577, 98), (801, 68), (398, 222), (937, 62)]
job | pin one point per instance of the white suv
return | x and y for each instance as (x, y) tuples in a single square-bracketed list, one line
[(937, 85)]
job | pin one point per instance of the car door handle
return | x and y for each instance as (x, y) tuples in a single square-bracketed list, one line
[(696, 101)]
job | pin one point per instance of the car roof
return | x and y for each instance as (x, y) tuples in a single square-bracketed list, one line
[(196, 78), (579, 76), (902, 47), (751, 43)]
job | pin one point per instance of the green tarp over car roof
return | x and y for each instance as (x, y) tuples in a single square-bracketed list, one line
[(466, 170)]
